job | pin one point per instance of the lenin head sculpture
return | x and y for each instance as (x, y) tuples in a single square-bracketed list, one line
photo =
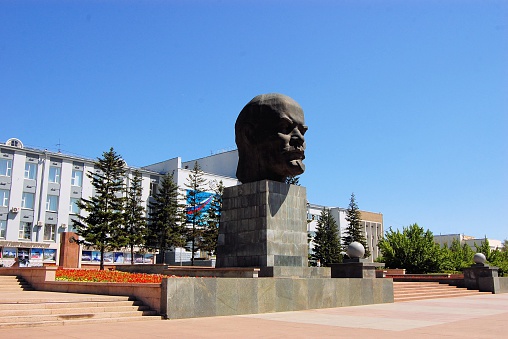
[(269, 134)]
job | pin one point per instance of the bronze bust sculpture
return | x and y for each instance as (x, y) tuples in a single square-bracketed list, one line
[(269, 133)]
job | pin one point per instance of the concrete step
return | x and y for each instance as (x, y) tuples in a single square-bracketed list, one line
[(15, 288), (13, 283), (70, 310), (89, 321), (407, 291), (21, 306), (67, 304), (31, 297), (95, 314)]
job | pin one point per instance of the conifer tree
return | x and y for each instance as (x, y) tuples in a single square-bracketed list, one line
[(166, 228), (102, 225), (211, 231), (135, 221), (195, 213), (354, 231), (326, 241), (293, 180)]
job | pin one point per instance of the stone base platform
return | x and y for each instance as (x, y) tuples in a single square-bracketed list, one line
[(210, 297)]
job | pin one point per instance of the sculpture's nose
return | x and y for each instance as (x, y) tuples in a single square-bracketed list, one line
[(297, 138)]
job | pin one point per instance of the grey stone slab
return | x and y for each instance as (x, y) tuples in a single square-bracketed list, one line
[(227, 298), (355, 291), (284, 294), (300, 291), (181, 298), (367, 288), (205, 293), (266, 295), (248, 301)]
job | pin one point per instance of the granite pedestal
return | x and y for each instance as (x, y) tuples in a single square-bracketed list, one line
[(355, 268), (481, 277), (264, 224)]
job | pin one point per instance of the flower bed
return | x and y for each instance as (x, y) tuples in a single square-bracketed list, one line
[(108, 276)]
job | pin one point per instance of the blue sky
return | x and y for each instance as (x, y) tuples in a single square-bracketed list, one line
[(406, 101)]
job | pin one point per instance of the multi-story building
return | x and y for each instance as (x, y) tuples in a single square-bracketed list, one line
[(371, 222), (39, 191), (447, 239)]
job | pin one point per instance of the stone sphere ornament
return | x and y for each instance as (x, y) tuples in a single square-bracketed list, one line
[(355, 250), (479, 258)]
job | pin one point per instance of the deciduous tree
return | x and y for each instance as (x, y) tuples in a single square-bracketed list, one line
[(413, 249)]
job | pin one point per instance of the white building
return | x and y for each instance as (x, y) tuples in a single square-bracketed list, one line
[(472, 242), (372, 224)]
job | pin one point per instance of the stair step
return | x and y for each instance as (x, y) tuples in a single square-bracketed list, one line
[(72, 310), (21, 306), (73, 316), (79, 321), (408, 291)]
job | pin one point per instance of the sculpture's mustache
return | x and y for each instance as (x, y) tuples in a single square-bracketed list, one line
[(294, 153)]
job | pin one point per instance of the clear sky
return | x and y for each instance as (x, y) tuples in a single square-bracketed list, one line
[(406, 101)]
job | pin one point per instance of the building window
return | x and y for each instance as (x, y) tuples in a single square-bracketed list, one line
[(153, 188), (49, 232), (30, 170), (52, 203), (25, 230), (54, 174), (73, 206), (5, 167), (77, 178), (4, 198), (27, 200), (3, 228)]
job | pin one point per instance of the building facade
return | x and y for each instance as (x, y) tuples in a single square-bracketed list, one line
[(372, 224), (447, 239)]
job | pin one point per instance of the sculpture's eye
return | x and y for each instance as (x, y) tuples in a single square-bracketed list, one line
[(285, 126)]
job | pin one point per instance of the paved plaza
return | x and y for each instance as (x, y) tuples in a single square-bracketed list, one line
[(482, 316)]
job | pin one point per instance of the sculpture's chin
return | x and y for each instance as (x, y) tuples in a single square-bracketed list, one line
[(297, 166)]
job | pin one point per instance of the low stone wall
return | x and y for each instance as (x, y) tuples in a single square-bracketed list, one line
[(33, 275), (208, 297)]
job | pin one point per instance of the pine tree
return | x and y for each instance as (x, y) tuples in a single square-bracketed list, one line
[(211, 231), (326, 241), (166, 228), (354, 231), (293, 180), (102, 226), (195, 213), (135, 222)]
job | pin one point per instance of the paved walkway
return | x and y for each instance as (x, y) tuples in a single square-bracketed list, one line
[(482, 316)]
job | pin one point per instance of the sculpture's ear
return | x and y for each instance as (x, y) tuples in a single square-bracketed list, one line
[(248, 133)]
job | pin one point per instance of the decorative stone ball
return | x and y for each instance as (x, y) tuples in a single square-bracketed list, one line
[(355, 250), (479, 258)]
